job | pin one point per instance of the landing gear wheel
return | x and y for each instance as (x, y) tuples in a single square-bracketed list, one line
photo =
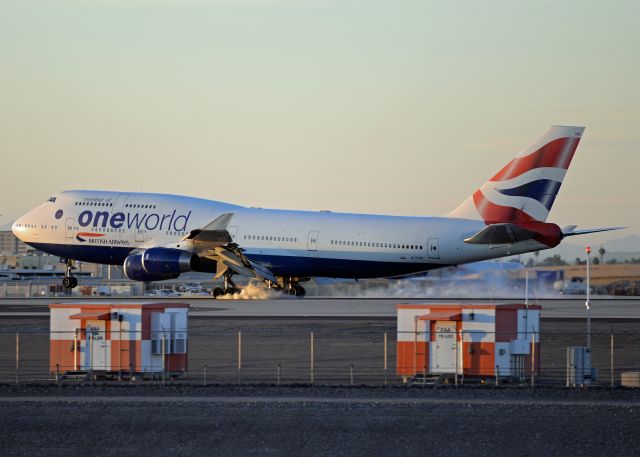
[(218, 292), (69, 281), (300, 292), (229, 287)]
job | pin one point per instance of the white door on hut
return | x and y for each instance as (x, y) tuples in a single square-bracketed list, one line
[(444, 348), (96, 345)]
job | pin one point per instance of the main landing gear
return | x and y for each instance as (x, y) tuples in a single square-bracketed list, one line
[(69, 281), (229, 287), (297, 290), (291, 287), (288, 286)]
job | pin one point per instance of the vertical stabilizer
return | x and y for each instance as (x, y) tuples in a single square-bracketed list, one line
[(525, 189)]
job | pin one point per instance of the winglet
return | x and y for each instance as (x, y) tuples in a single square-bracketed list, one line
[(216, 230), (219, 223)]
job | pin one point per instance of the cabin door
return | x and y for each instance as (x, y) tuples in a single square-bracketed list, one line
[(312, 242), (433, 251)]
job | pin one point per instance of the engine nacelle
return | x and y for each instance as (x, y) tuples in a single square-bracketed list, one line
[(133, 270), (168, 261)]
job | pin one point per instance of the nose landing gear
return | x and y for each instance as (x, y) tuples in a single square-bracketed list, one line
[(69, 281)]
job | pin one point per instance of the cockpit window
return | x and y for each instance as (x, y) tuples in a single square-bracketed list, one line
[(52, 199)]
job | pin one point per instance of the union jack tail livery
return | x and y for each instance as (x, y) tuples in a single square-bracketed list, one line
[(525, 189)]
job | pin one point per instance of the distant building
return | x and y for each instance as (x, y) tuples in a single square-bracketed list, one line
[(14, 254), (10, 244)]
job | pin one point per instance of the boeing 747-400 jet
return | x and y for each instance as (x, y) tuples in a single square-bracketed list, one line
[(157, 236)]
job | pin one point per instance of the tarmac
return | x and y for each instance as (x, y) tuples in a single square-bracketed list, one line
[(247, 421)]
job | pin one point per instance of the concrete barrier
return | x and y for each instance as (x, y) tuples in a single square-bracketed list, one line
[(630, 379)]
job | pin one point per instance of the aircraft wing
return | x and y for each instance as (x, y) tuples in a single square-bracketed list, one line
[(214, 242), (232, 258)]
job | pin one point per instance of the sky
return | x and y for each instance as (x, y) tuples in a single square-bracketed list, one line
[(387, 107)]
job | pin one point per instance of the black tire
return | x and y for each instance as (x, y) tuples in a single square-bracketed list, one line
[(300, 292), (67, 283), (292, 291), (217, 292), (74, 282)]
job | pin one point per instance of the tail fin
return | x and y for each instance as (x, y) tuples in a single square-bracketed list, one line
[(525, 189)]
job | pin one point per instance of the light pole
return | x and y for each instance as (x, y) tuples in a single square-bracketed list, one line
[(588, 299)]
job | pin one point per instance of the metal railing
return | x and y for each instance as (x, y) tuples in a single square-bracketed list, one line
[(301, 357)]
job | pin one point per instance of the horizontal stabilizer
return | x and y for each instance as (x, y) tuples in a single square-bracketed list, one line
[(500, 234), (510, 233), (571, 230)]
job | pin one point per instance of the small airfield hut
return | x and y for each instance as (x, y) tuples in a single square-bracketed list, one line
[(108, 338), (468, 340)]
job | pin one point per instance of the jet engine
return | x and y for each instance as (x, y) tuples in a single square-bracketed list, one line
[(134, 270), (167, 261)]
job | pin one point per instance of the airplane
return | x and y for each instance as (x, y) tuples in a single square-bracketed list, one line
[(155, 237)]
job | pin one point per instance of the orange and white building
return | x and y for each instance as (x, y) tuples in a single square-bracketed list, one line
[(468, 340), (123, 337)]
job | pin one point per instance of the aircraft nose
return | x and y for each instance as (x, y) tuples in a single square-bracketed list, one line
[(15, 227), (19, 227)]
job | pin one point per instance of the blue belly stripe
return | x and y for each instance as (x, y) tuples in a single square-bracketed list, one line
[(300, 266)]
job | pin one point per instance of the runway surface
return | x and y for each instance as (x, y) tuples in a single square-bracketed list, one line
[(561, 308), (194, 421), (279, 400)]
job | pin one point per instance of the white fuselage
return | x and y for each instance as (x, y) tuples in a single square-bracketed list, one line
[(105, 227)]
